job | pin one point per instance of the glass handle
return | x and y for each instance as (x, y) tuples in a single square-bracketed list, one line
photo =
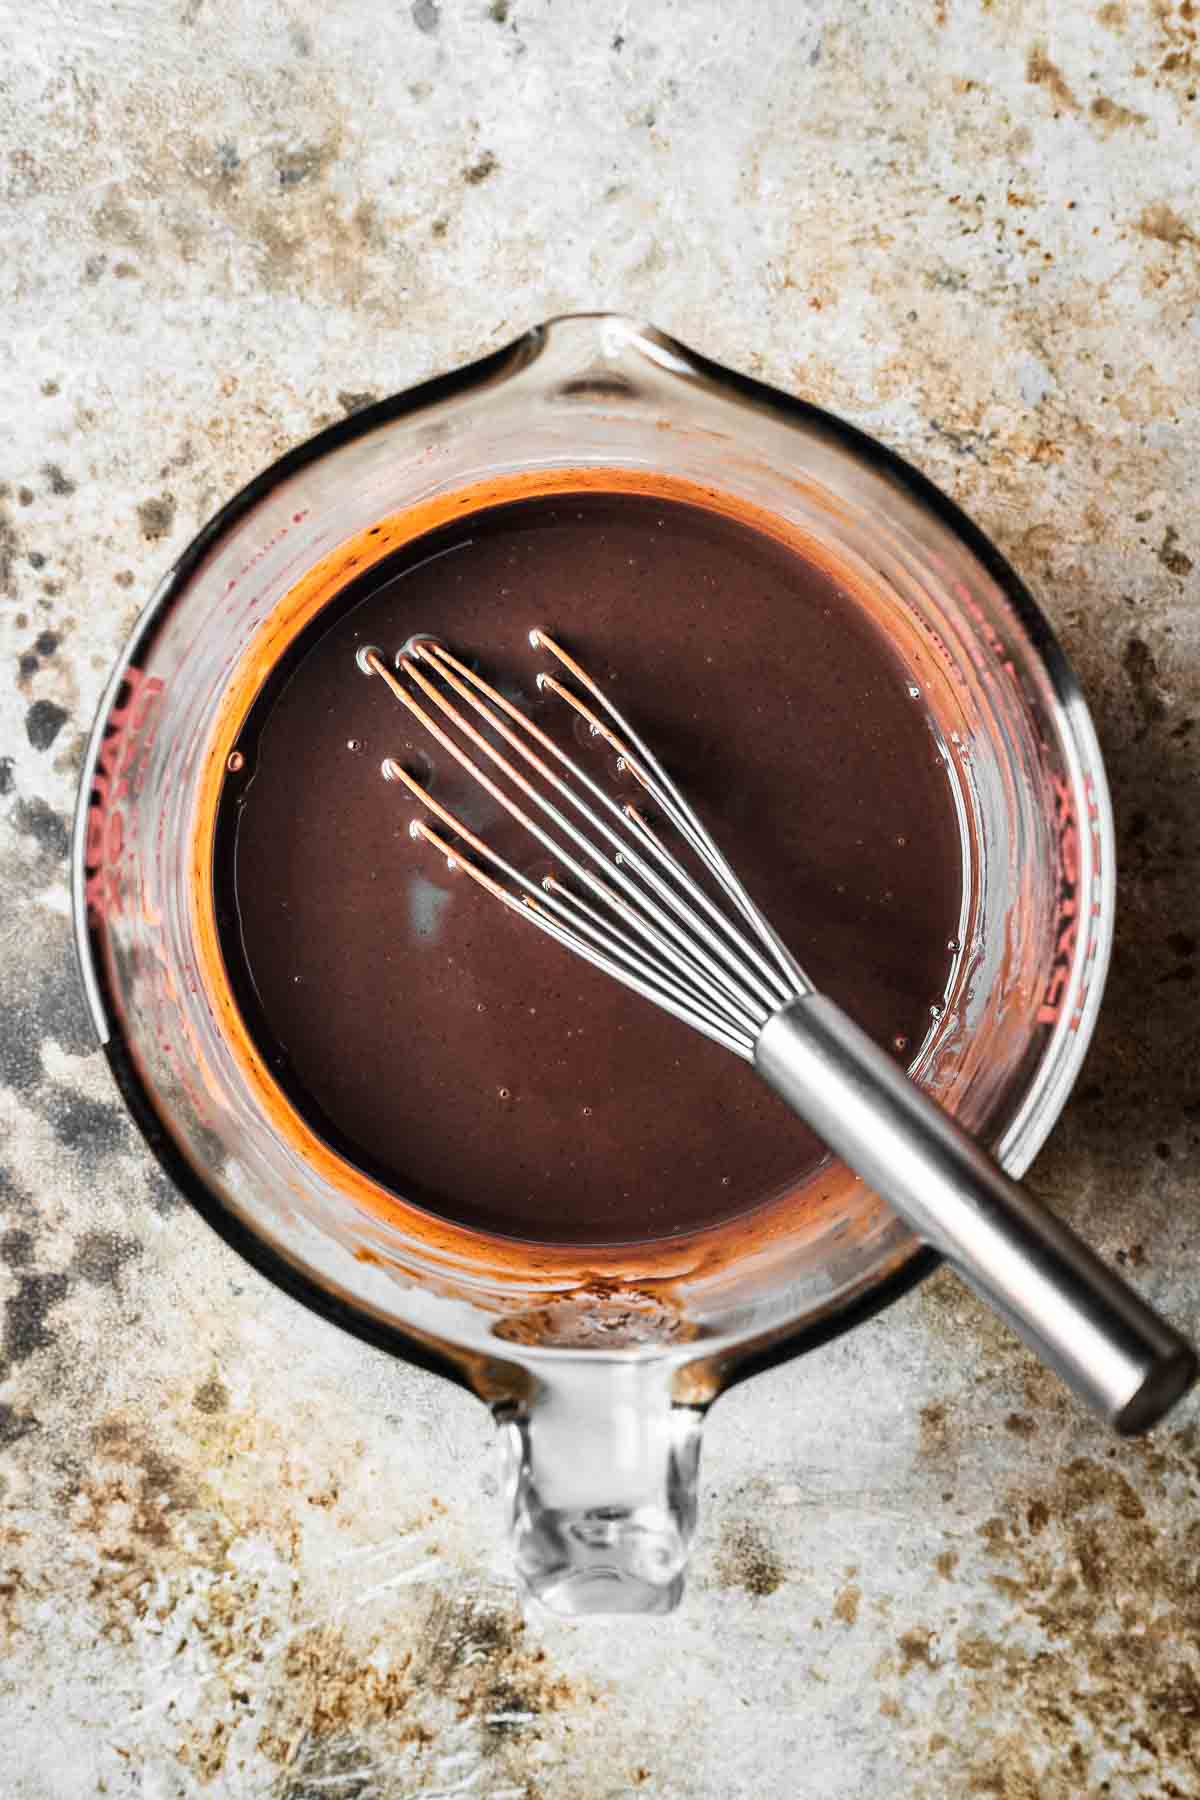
[(601, 1486)]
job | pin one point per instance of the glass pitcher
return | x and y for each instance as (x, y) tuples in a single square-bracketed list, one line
[(597, 1363)]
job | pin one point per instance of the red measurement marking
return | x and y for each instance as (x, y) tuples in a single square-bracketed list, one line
[(119, 768), (1067, 938), (265, 550)]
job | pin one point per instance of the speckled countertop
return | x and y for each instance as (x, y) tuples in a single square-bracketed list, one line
[(241, 1554)]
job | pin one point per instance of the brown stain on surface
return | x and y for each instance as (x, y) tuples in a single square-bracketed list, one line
[(1141, 667), (1041, 72), (746, 1559), (475, 1646), (1117, 1597), (344, 1708), (1086, 1660), (161, 1542), (916, 1649), (846, 1606), (131, 1496), (933, 1428), (296, 210), (974, 1652), (1174, 560), (481, 169), (938, 1442), (1110, 117), (1175, 42), (211, 1397), (960, 1325), (1165, 226), (156, 516)]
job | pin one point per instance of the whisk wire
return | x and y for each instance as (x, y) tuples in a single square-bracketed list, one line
[(681, 977), (552, 896), (686, 821), (625, 964), (775, 990), (686, 958), (732, 948)]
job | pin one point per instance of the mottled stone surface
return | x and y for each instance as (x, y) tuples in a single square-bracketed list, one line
[(239, 1553)]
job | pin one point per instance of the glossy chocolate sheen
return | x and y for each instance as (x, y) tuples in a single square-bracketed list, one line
[(444, 1045)]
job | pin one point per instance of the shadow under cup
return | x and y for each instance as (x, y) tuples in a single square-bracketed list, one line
[(598, 1362)]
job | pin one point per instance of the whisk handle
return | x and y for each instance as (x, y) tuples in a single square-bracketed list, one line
[(1080, 1318)]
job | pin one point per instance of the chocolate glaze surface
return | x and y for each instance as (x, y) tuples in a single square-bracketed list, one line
[(449, 1049)]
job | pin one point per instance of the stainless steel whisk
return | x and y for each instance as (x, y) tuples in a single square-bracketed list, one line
[(636, 912)]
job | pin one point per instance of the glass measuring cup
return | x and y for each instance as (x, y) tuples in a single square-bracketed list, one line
[(598, 1362)]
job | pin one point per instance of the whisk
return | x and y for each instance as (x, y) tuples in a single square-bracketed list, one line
[(623, 895)]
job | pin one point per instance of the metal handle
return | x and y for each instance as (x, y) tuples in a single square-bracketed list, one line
[(1078, 1316)]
